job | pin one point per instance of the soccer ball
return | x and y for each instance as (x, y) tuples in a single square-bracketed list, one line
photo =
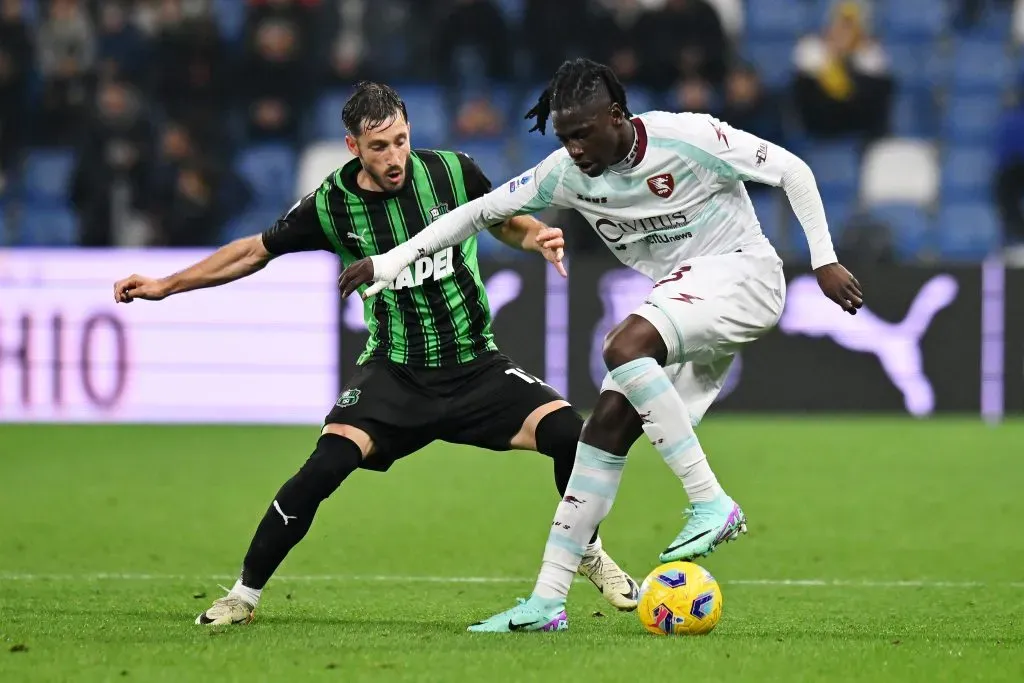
[(680, 599)]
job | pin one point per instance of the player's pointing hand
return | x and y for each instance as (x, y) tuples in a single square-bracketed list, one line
[(551, 244), (841, 286)]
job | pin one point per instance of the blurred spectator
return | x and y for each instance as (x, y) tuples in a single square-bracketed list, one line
[(348, 49), (191, 71), (193, 217), (731, 13), (683, 42), (189, 198), (615, 26), (301, 16), (843, 84), (695, 95), (748, 106), (111, 178), (15, 65), (275, 83), (123, 50), (554, 32), (66, 43), (473, 39), (1009, 182)]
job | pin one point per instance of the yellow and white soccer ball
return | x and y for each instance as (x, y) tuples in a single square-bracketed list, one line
[(680, 599)]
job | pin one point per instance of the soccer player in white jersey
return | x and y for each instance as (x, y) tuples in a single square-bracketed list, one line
[(665, 192)]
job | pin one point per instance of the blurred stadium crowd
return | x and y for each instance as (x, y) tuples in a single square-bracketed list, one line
[(189, 122)]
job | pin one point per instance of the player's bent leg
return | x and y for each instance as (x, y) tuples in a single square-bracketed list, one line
[(556, 434), (635, 353), (338, 453), (589, 497)]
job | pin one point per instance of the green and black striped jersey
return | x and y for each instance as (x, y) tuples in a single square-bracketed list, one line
[(436, 314)]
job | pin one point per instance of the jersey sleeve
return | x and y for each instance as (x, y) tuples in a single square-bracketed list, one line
[(477, 182), (297, 230), (529, 192)]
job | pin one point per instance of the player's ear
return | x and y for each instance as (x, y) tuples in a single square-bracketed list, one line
[(350, 142), (615, 113)]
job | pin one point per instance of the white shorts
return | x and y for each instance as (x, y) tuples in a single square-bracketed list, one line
[(706, 311)]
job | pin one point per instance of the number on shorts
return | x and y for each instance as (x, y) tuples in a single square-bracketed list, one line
[(529, 379), (678, 275)]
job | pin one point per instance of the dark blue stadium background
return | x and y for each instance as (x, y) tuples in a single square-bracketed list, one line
[(191, 122)]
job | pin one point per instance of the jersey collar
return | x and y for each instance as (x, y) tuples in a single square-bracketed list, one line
[(637, 152)]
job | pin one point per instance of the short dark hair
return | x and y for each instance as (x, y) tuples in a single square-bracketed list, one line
[(576, 83), (371, 105)]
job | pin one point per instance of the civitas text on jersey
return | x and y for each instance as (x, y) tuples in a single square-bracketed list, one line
[(613, 231), (436, 267)]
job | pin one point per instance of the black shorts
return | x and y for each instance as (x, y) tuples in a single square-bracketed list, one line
[(481, 403)]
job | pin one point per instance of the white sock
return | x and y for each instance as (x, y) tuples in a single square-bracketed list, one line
[(588, 499), (249, 595), (667, 425)]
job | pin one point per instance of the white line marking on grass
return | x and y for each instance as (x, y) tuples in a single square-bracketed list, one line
[(379, 578)]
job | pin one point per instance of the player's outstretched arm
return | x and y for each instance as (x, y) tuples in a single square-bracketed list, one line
[(229, 263), (527, 193), (529, 234)]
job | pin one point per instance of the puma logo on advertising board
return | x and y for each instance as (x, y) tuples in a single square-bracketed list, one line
[(896, 345)]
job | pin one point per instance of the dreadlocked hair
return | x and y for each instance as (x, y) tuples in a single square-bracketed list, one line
[(577, 82)]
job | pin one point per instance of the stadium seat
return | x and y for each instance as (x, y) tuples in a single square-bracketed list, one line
[(911, 227), (971, 119), (317, 162), (428, 116), (913, 114), (270, 172), (776, 20), (326, 123), (491, 156), (230, 18), (513, 10), (46, 176), (993, 25), (536, 148), (900, 170), (835, 165), (46, 226), (911, 20), (969, 231), (967, 174), (641, 100), (981, 67), (916, 66), (773, 60)]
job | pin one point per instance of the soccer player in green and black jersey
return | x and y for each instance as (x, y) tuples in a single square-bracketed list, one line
[(431, 370)]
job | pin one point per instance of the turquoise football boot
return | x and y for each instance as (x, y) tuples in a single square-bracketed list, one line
[(709, 525), (534, 614)]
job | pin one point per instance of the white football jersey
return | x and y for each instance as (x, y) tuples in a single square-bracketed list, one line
[(681, 196)]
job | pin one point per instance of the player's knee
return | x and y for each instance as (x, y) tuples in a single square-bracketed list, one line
[(334, 459), (559, 432), (614, 425), (631, 339), (353, 434)]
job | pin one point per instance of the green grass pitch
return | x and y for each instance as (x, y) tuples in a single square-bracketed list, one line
[(879, 550)]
